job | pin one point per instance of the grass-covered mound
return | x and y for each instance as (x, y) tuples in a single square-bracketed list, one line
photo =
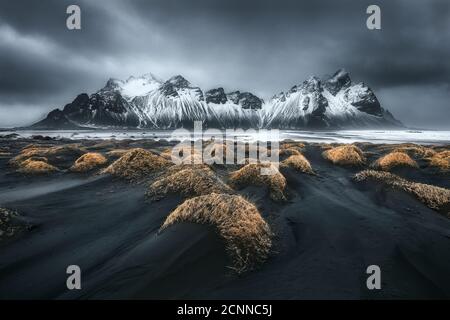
[(116, 153), (185, 155), (217, 152), (136, 164), (292, 145), (299, 163), (434, 197), (346, 155), (189, 182), (413, 150), (104, 145), (36, 166), (58, 156), (393, 160), (250, 174), (88, 162), (247, 236), (440, 160), (286, 153)]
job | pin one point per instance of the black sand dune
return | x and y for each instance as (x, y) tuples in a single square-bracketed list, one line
[(326, 234)]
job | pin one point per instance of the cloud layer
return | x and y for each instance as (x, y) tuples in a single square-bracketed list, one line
[(257, 45)]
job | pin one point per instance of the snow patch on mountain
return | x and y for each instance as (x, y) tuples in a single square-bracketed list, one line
[(134, 86)]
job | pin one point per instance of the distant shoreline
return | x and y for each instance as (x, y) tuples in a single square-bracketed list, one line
[(330, 136)]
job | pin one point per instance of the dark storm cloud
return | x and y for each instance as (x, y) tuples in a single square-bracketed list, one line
[(257, 45)]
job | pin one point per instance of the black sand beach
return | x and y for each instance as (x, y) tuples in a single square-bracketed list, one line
[(330, 229)]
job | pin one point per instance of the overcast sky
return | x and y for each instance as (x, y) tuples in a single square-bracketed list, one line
[(259, 46)]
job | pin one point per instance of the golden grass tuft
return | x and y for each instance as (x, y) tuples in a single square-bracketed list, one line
[(53, 154), (89, 161), (299, 163), (288, 152), (440, 160), (166, 154), (117, 153), (25, 154), (194, 158), (393, 160), (247, 236), (189, 182), (216, 151), (414, 150), (346, 155), (187, 155), (136, 164), (250, 174), (292, 145), (36, 166), (102, 145), (434, 197)]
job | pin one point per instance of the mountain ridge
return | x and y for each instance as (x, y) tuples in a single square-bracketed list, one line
[(146, 102)]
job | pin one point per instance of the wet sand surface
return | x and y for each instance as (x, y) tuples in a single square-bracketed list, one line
[(326, 235)]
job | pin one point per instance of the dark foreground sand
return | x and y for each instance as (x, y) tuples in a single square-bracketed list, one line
[(326, 234)]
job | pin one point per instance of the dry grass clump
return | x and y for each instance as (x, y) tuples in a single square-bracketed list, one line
[(103, 145), (117, 153), (194, 158), (178, 167), (440, 160), (416, 151), (88, 162), (36, 166), (299, 163), (250, 174), (55, 155), (395, 159), (185, 155), (292, 145), (166, 154), (288, 152), (327, 146), (412, 149), (216, 151), (136, 164), (189, 182), (245, 151), (346, 155), (434, 197), (247, 236)]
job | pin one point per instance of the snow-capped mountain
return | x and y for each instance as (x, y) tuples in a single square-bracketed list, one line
[(148, 102), (235, 109), (335, 102)]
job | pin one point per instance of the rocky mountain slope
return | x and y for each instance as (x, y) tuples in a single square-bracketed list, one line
[(148, 102)]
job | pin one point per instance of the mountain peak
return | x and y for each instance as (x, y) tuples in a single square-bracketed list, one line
[(150, 76), (175, 83), (312, 84), (179, 82), (338, 81), (133, 86), (246, 99), (216, 96), (112, 83)]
